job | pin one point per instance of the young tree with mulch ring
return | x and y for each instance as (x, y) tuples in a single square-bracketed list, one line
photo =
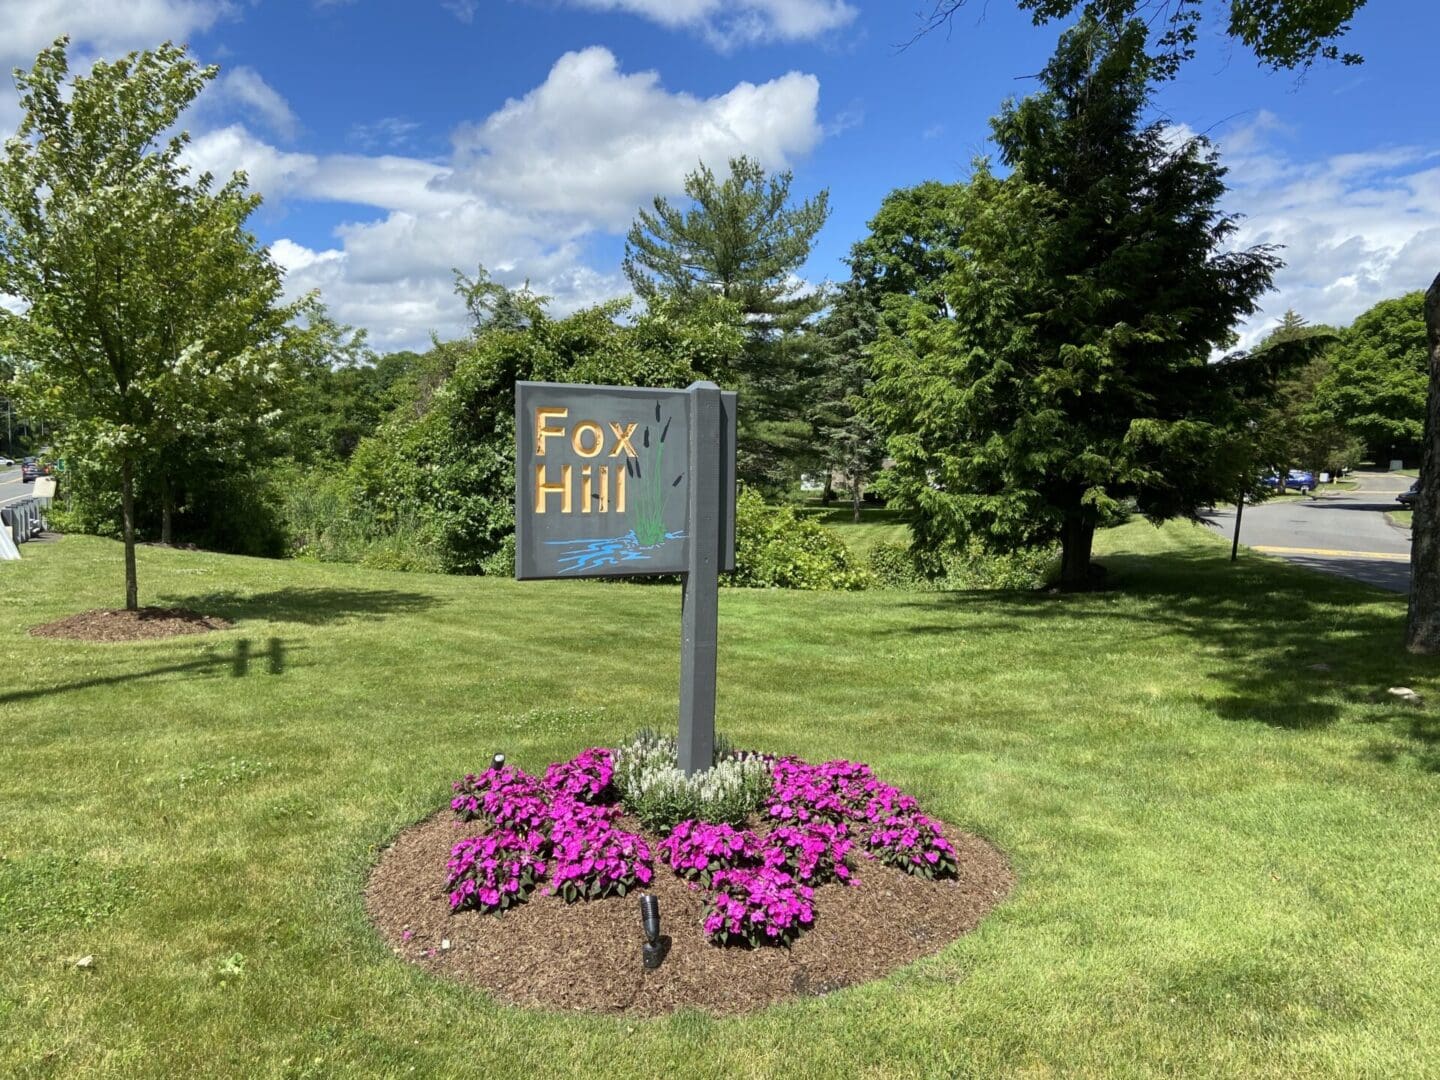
[(151, 315)]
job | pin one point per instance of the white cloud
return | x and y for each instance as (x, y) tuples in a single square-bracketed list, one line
[(730, 23), (106, 27), (243, 88), (464, 10), (594, 142), (1356, 227), (391, 132), (97, 28), (525, 191)]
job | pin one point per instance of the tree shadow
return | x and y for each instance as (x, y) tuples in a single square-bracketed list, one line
[(1291, 648), (240, 662), (310, 606)]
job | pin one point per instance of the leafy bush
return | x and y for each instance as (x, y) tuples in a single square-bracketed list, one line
[(324, 521), (776, 548), (971, 566), (655, 790)]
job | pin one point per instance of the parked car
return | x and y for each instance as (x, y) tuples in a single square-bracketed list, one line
[(1407, 498), (1296, 479)]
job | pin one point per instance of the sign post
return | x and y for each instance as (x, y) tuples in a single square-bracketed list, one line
[(621, 482)]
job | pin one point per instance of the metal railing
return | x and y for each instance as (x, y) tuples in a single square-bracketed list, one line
[(22, 519)]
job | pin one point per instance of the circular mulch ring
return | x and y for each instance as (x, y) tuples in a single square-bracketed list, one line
[(146, 623), (586, 955)]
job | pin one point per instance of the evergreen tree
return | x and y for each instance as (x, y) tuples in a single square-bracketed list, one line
[(743, 240), (1087, 294), (851, 443)]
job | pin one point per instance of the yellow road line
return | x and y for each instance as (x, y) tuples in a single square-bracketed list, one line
[(1387, 556)]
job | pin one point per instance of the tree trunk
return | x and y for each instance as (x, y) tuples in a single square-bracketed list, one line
[(828, 495), (127, 507), (1076, 539), (167, 508), (1422, 630), (857, 498)]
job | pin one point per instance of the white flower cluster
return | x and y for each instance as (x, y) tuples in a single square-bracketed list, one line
[(650, 782)]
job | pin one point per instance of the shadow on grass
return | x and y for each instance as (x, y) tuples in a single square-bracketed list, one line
[(242, 662), (1289, 648), (311, 606)]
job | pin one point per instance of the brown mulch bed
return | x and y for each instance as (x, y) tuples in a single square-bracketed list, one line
[(149, 622), (586, 956)]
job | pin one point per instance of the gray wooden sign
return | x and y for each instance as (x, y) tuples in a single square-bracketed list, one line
[(603, 481), (612, 481)]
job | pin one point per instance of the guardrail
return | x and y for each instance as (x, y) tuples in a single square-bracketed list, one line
[(21, 520)]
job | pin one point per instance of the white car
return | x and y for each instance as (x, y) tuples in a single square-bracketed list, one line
[(6, 462)]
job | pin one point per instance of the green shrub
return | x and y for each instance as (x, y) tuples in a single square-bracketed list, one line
[(776, 548), (652, 787), (971, 566), (894, 566)]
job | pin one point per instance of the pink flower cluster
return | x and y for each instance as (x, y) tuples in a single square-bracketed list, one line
[(895, 831), (577, 842), (586, 776), (761, 906), (592, 858), (830, 791), (494, 871), (697, 850), (911, 842), (813, 853), (564, 831), (508, 797)]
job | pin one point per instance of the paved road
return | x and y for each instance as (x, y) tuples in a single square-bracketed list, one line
[(10, 486), (1342, 533)]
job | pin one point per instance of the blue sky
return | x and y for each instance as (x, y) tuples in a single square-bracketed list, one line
[(394, 140)]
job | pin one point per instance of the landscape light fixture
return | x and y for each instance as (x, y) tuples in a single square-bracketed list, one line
[(653, 951), (497, 762)]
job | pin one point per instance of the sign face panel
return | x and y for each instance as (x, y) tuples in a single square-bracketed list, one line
[(603, 477)]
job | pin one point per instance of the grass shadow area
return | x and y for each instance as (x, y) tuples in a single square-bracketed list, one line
[(1281, 645), (312, 605), (240, 661)]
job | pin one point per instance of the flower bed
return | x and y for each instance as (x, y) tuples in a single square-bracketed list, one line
[(760, 883)]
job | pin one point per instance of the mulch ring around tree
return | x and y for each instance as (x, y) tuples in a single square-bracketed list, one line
[(586, 956), (144, 624)]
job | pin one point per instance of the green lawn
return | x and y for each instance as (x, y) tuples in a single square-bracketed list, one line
[(877, 525), (1228, 861), (1400, 517)]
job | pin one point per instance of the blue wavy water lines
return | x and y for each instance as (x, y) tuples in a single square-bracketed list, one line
[(593, 554)]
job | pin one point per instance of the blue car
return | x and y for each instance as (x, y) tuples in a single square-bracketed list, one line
[(1296, 479)]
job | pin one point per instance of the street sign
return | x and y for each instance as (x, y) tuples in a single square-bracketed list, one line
[(615, 481)]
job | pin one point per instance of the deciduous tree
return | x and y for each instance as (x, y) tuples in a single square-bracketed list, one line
[(151, 316)]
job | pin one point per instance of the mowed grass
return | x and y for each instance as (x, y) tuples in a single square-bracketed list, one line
[(877, 525), (1225, 830)]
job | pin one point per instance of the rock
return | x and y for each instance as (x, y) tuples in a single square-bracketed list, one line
[(85, 962), (445, 944), (1405, 694)]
